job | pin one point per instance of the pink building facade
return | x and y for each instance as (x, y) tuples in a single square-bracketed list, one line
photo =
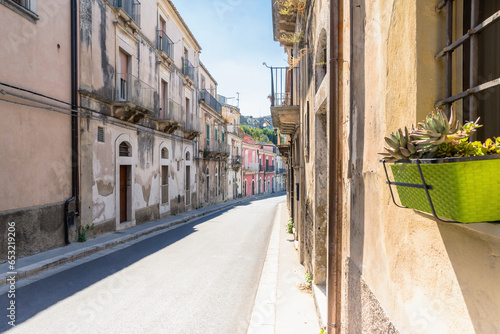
[(259, 167), (267, 168), (250, 167)]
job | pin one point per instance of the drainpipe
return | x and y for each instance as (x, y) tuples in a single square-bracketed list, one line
[(334, 248), (70, 215)]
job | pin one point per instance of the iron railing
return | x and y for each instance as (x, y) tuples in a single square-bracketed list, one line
[(282, 171), (210, 100), (175, 112), (132, 89), (266, 168), (193, 123), (165, 44), (284, 86), (187, 68), (131, 7), (251, 166), (236, 160)]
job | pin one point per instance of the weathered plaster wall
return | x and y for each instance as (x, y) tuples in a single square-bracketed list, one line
[(35, 149), (426, 276)]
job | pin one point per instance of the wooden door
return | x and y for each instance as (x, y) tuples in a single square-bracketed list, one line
[(123, 193), (188, 185)]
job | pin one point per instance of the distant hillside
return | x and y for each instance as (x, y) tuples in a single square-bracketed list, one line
[(257, 122)]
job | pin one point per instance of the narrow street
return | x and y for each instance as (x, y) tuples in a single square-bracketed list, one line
[(201, 277)]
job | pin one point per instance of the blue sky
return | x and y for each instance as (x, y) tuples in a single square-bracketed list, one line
[(236, 37)]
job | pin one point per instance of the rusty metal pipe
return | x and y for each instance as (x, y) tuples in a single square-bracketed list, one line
[(334, 248)]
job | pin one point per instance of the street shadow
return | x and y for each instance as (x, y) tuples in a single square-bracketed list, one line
[(356, 147), (42, 294)]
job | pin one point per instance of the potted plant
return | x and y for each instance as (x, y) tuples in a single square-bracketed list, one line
[(438, 170)]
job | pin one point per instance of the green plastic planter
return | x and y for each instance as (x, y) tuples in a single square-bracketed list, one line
[(465, 190)]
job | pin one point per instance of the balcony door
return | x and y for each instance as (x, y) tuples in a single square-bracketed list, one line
[(124, 62)]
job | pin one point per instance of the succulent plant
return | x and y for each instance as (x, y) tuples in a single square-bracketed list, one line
[(435, 130), (437, 136), (399, 146)]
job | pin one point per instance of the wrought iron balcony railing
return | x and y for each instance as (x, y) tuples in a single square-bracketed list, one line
[(210, 100), (174, 113), (284, 86), (266, 168), (132, 89), (282, 171), (131, 7), (236, 160), (251, 166), (187, 68), (165, 44), (193, 123)]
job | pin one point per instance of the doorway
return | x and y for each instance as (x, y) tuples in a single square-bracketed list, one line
[(188, 185), (124, 192)]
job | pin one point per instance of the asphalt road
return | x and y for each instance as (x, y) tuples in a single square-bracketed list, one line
[(201, 277)]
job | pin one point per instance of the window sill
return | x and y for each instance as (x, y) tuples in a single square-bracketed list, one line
[(26, 13)]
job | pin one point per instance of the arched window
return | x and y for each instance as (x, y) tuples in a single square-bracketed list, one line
[(125, 150), (188, 156), (164, 153)]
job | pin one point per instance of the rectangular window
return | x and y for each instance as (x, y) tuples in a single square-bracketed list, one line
[(100, 134), (480, 94), (215, 134), (208, 136)]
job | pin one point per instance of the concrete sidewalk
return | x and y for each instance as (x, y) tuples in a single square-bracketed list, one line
[(36, 264), (280, 306)]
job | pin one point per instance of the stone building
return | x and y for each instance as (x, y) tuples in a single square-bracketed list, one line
[(37, 173), (234, 139), (213, 148), (359, 71), (138, 80)]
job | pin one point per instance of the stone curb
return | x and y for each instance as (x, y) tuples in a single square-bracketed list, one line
[(42, 266)]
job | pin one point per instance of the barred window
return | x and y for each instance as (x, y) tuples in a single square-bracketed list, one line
[(480, 48)]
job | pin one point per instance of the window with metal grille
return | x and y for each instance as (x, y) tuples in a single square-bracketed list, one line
[(124, 150), (479, 43), (100, 134)]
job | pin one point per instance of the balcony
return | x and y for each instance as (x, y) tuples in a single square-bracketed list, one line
[(206, 97), (192, 126), (266, 169), (130, 11), (166, 46), (235, 129), (172, 118), (251, 167), (236, 162), (281, 171), (134, 99), (188, 69), (285, 99), (217, 150)]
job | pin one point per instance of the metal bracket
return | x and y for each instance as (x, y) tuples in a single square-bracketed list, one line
[(424, 186)]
